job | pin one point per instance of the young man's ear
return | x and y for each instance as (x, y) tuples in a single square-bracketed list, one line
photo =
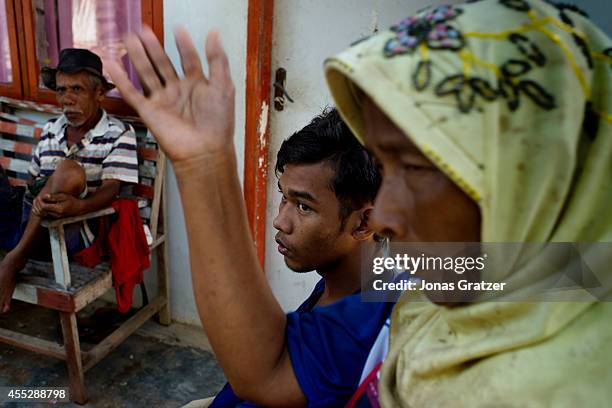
[(361, 228)]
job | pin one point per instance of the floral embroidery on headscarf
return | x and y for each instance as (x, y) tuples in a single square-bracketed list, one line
[(430, 28), (584, 47), (528, 48)]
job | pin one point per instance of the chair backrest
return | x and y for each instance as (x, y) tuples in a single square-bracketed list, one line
[(21, 124)]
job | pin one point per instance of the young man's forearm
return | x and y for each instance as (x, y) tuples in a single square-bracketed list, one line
[(242, 319)]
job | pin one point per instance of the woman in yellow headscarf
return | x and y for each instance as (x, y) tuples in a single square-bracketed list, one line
[(493, 122)]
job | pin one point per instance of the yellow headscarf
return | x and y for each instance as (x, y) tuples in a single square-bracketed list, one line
[(512, 99)]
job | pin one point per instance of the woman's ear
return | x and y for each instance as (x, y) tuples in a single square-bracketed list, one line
[(362, 230)]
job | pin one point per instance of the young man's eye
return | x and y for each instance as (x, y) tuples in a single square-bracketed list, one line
[(413, 167), (303, 207)]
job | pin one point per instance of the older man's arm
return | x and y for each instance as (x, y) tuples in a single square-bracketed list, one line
[(60, 205)]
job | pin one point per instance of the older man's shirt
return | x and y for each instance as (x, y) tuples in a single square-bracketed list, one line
[(106, 152)]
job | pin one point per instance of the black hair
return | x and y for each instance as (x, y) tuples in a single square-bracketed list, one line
[(327, 138)]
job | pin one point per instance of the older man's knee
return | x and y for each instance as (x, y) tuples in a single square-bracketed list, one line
[(69, 178)]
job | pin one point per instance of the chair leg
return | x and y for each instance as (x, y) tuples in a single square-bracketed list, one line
[(163, 316), (72, 348)]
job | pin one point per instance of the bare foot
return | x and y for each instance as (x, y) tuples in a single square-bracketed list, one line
[(9, 267)]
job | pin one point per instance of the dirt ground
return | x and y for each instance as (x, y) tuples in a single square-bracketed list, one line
[(150, 369)]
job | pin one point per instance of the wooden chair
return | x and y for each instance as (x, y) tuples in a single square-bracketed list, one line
[(68, 288)]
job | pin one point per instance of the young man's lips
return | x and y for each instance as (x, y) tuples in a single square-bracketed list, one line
[(282, 248)]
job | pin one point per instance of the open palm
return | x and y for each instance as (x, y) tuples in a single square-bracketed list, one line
[(191, 116)]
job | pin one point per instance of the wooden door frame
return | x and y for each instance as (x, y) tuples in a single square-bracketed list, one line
[(13, 89), (257, 124)]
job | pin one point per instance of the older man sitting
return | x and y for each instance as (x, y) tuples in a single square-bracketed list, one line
[(78, 166)]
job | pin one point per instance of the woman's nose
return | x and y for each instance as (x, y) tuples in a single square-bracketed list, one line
[(389, 215)]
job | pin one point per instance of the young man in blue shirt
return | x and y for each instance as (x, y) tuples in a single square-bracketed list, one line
[(328, 182)]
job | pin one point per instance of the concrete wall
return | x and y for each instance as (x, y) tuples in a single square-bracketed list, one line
[(305, 33), (199, 17), (599, 11)]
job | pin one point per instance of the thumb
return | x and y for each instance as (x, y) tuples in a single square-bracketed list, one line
[(56, 197)]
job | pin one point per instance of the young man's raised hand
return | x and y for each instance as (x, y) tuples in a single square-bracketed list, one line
[(192, 116)]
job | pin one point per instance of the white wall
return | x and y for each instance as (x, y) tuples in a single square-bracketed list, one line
[(199, 17), (305, 33), (599, 12)]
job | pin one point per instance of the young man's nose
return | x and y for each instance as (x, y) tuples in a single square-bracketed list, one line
[(388, 217), (282, 221)]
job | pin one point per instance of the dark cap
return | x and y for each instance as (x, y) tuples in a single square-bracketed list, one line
[(73, 60)]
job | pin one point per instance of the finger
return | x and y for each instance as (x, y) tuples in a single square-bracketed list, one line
[(47, 199), (52, 213), (218, 64), (47, 207), (36, 208), (57, 197), (161, 63), (125, 86), (146, 71), (190, 60)]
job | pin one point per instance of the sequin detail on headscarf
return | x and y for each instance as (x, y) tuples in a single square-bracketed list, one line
[(426, 28), (519, 5), (428, 31)]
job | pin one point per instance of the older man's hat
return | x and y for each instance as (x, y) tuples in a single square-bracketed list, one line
[(73, 60)]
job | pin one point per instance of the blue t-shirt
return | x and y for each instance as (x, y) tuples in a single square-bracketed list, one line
[(328, 346)]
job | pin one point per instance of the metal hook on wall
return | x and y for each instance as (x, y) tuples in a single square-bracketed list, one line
[(280, 93)]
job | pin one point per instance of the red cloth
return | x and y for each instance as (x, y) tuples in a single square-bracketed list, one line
[(125, 239)]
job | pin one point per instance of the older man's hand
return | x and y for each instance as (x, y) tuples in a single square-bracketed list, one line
[(192, 117), (56, 206)]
